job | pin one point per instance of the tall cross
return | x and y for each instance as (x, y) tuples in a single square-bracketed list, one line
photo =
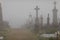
[(36, 21), (37, 11)]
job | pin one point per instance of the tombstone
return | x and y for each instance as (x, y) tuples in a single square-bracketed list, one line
[(1, 37)]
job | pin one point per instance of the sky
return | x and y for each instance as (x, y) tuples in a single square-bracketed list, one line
[(16, 12)]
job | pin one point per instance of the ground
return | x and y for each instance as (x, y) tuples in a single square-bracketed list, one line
[(20, 34)]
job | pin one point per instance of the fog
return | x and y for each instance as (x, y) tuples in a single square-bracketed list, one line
[(17, 11)]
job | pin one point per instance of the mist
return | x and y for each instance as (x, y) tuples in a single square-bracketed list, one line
[(16, 12)]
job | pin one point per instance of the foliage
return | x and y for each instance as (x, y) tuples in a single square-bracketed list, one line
[(51, 38)]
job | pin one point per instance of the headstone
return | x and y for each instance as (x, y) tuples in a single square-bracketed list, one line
[(1, 38)]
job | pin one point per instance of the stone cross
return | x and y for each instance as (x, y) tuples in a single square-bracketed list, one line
[(37, 11), (36, 21)]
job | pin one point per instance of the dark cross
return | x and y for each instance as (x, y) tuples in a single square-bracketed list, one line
[(36, 20), (37, 11)]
